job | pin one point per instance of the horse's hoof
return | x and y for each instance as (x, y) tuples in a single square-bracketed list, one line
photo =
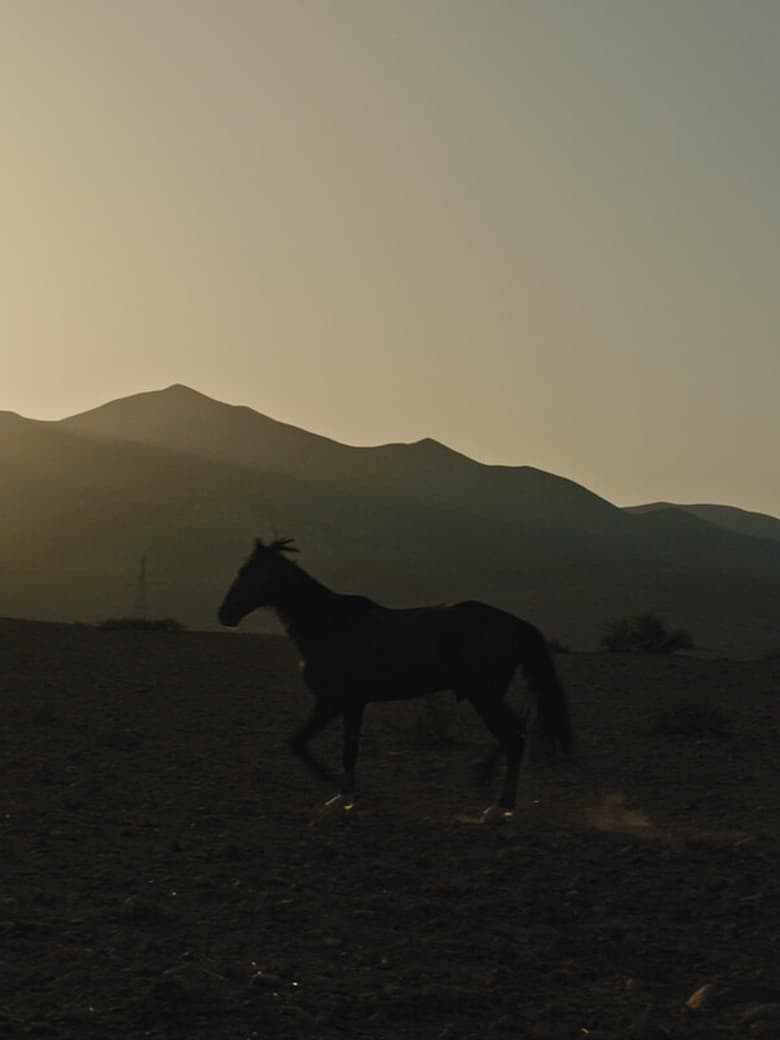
[(337, 806), (339, 802), (497, 814)]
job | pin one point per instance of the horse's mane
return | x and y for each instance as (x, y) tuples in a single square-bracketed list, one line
[(278, 545)]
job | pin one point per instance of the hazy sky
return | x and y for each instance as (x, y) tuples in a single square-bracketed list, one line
[(543, 232)]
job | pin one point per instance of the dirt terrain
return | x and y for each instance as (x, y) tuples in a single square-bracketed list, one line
[(165, 869)]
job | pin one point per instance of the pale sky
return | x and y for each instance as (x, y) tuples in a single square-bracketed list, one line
[(545, 233)]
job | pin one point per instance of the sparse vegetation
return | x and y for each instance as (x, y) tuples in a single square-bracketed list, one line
[(646, 634), (138, 624)]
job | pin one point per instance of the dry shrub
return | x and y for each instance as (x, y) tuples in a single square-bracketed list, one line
[(645, 634)]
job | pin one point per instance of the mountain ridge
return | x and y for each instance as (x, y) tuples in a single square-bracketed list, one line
[(743, 521), (187, 482), (106, 419), (174, 418)]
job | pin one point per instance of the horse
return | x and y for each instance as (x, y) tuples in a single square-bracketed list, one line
[(355, 651)]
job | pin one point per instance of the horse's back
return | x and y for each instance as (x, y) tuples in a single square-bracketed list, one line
[(381, 653), (373, 652), (484, 621)]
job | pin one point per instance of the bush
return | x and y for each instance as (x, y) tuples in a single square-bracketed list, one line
[(137, 624), (646, 634)]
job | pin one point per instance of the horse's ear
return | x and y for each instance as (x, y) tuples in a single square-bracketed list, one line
[(285, 545), (259, 543)]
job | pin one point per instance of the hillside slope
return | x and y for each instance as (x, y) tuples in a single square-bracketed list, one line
[(184, 420), (186, 483), (742, 521)]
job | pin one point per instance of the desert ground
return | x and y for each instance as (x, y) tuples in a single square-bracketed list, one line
[(167, 869)]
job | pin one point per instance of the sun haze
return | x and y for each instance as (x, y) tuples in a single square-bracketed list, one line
[(543, 233)]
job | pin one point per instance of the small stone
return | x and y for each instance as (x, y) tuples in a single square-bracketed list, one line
[(265, 978), (701, 998), (763, 1013)]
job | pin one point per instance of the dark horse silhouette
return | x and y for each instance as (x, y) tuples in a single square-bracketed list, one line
[(355, 651)]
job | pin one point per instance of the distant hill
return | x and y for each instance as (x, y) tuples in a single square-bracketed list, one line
[(187, 482), (183, 420), (758, 525)]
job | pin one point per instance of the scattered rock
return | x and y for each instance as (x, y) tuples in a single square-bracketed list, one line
[(701, 998), (265, 978), (762, 1013)]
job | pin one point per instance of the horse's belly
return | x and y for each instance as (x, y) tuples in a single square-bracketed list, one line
[(393, 688), (383, 678)]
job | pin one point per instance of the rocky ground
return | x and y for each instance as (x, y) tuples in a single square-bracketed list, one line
[(166, 872)]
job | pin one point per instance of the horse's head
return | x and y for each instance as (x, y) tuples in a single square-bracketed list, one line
[(258, 581)]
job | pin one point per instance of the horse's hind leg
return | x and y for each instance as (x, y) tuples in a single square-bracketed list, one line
[(508, 729), (353, 717), (484, 767)]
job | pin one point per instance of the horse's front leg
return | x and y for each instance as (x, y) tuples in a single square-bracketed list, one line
[(353, 718), (323, 713)]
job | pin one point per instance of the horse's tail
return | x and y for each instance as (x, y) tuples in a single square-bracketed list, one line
[(552, 711)]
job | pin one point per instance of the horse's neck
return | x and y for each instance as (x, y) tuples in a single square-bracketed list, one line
[(304, 608)]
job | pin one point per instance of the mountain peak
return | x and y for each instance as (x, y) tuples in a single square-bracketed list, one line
[(143, 407), (181, 390), (428, 444)]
